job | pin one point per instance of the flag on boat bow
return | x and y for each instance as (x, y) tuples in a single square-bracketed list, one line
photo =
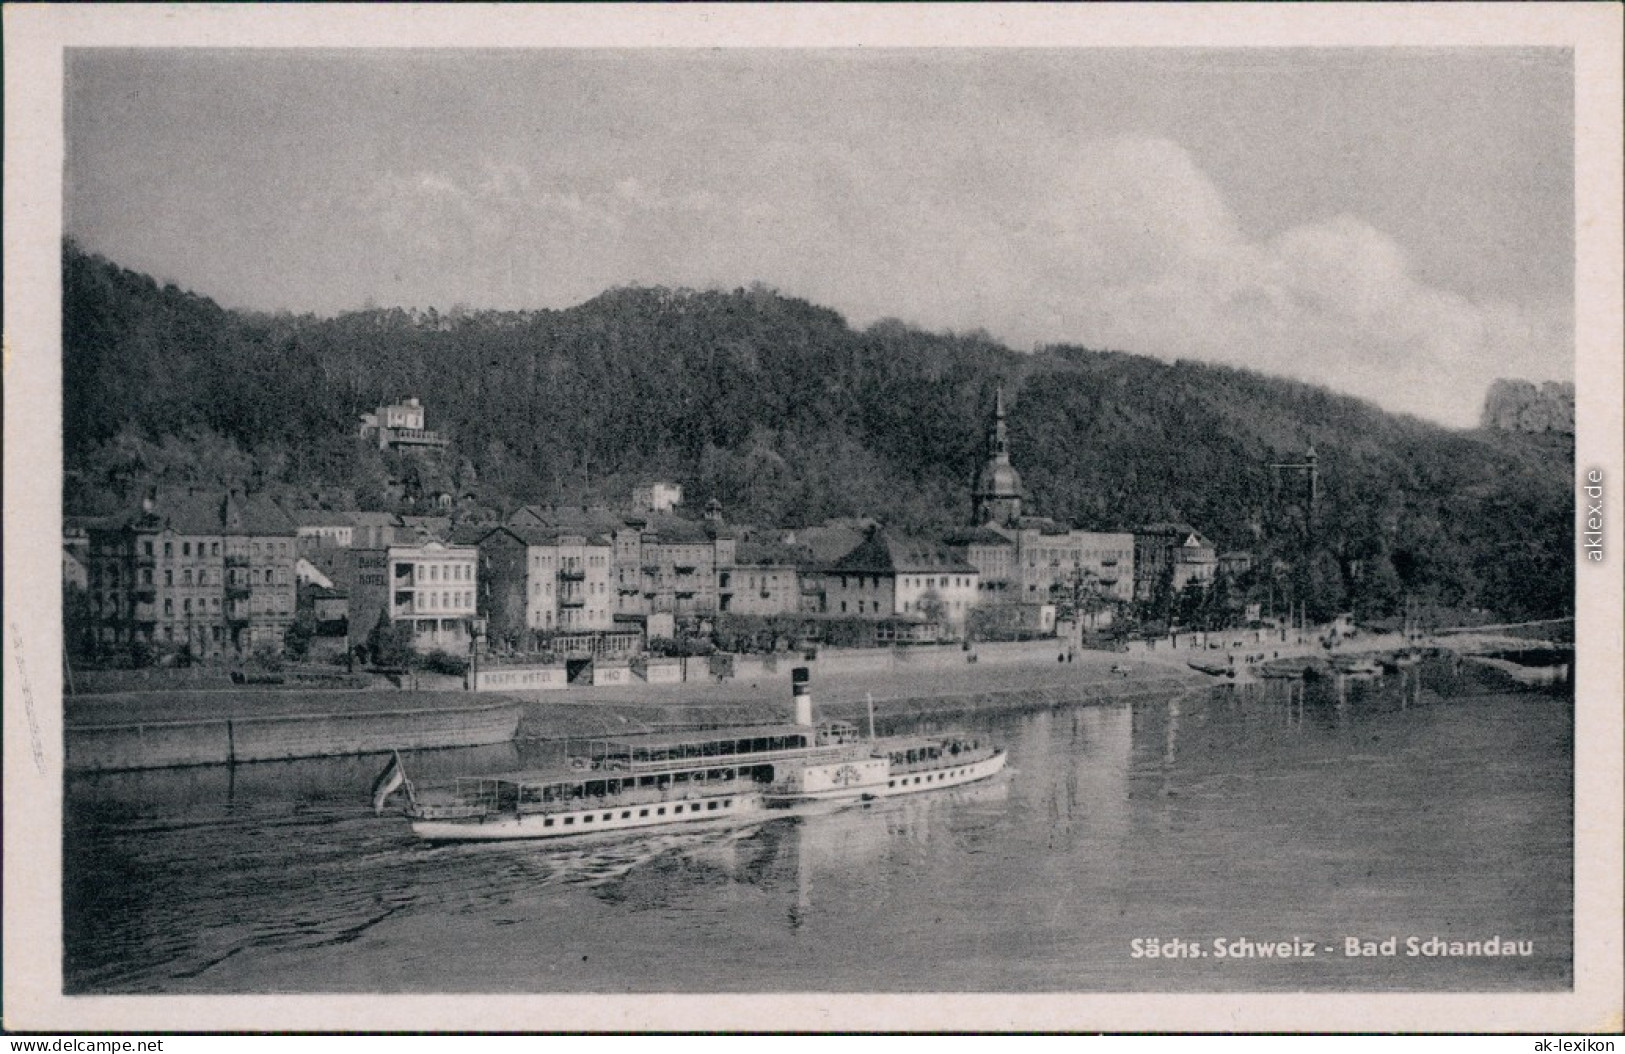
[(388, 782)]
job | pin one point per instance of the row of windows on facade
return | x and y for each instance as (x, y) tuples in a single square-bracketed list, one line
[(425, 600), (909, 607), (270, 576), (200, 635), (568, 563), (190, 550), (569, 617), (1055, 555), (274, 604), (444, 572), (541, 587), (914, 582)]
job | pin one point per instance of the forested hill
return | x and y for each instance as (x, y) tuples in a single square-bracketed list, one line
[(789, 416)]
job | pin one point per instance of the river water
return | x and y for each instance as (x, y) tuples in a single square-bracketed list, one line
[(1433, 803)]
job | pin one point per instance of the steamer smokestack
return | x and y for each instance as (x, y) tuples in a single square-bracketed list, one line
[(801, 689)]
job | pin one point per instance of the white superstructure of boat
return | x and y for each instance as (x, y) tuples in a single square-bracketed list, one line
[(886, 767), (714, 776), (738, 775)]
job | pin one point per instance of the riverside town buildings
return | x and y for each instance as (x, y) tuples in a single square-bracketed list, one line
[(432, 589), (1175, 549), (542, 580), (208, 575), (1032, 562), (915, 587), (214, 575)]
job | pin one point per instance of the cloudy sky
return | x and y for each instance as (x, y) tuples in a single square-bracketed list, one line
[(1396, 224)]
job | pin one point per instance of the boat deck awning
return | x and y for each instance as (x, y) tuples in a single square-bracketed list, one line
[(697, 737), (904, 743)]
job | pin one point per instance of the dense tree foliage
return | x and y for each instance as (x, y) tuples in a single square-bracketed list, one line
[(789, 416)]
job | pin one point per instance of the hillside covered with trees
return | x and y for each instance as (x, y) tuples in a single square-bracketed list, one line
[(790, 416)]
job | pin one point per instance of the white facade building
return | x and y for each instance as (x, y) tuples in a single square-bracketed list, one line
[(433, 588)]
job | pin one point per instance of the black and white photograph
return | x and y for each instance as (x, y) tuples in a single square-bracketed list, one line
[(905, 518)]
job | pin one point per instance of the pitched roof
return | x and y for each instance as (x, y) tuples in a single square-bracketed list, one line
[(577, 518), (975, 536), (675, 530), (885, 554), (477, 534), (1183, 529), (829, 543), (321, 518), (184, 510), (374, 519), (775, 554), (430, 527)]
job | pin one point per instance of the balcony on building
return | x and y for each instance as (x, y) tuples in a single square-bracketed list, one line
[(394, 436), (572, 573)]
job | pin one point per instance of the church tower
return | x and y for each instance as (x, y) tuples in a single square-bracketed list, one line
[(998, 485)]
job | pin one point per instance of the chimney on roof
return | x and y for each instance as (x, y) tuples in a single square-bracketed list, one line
[(149, 500)]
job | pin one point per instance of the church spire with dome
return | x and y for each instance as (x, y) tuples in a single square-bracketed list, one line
[(998, 486)]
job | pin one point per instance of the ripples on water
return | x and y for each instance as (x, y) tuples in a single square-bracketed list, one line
[(1425, 803)]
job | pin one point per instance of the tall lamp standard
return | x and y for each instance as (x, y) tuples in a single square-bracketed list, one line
[(476, 635)]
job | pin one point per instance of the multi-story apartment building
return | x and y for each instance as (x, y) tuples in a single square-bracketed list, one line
[(681, 564), (1052, 563), (433, 588), (212, 574), (660, 565), (321, 529), (907, 583), (764, 580), (542, 580), (993, 554), (1171, 548)]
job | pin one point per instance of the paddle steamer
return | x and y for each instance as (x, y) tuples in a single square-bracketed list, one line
[(724, 776)]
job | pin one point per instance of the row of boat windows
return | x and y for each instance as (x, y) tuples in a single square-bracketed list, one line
[(929, 779), (626, 814), (599, 788), (610, 756)]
